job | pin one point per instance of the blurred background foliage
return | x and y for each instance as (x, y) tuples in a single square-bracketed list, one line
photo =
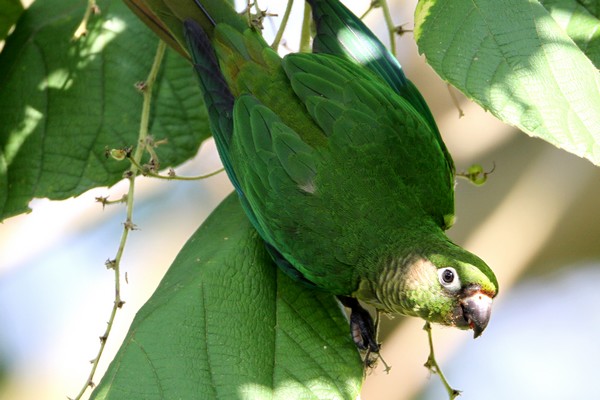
[(536, 222)]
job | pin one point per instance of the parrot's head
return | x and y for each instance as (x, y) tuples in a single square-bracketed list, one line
[(444, 284), (461, 286)]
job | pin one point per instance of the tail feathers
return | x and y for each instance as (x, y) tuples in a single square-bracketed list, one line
[(341, 33), (217, 97), (206, 13)]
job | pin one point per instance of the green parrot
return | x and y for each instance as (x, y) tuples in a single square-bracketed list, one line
[(338, 164)]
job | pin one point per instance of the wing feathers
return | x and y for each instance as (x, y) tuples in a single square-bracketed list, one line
[(276, 149)]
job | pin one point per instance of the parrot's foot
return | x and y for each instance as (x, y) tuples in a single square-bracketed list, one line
[(361, 325), (364, 332), (433, 366)]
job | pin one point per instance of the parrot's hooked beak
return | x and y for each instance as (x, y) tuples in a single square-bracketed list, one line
[(477, 308)]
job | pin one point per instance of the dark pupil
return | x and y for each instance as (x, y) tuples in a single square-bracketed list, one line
[(448, 276)]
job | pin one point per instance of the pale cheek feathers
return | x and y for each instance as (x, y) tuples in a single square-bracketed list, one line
[(421, 274), (424, 296)]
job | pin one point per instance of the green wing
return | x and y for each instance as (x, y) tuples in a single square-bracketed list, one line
[(341, 33), (334, 167), (331, 87), (379, 165)]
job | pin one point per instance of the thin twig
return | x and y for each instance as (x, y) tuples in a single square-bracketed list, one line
[(92, 8), (373, 5), (171, 175), (390, 25), (128, 224), (386, 366), (433, 366)]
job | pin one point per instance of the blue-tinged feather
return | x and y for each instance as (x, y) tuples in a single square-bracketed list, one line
[(218, 99), (341, 33)]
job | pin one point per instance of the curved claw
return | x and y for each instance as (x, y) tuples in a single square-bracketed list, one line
[(361, 325)]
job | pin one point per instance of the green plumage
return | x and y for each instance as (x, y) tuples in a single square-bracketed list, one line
[(365, 175), (340, 167)]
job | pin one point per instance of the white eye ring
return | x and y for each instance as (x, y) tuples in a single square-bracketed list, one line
[(449, 278)]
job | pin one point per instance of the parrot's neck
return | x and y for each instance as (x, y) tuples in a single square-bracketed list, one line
[(399, 283), (390, 290)]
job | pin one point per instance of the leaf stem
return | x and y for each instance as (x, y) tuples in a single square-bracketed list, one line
[(128, 224), (305, 32), (434, 367), (455, 101), (371, 7), (284, 21), (171, 174)]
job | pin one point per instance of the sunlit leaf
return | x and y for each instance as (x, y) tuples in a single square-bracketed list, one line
[(62, 102), (226, 323), (512, 58), (11, 10), (581, 23)]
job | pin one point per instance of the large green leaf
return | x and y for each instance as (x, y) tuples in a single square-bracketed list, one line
[(512, 58), (592, 6), (225, 323), (63, 101), (580, 22)]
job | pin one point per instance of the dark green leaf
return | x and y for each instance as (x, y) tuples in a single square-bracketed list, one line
[(592, 6), (225, 323), (63, 101), (512, 58), (9, 14)]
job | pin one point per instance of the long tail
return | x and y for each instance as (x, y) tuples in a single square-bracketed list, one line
[(217, 96), (166, 17), (218, 99)]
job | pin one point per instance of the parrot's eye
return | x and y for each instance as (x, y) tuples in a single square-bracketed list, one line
[(449, 278)]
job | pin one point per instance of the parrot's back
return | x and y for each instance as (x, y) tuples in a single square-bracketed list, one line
[(333, 167)]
